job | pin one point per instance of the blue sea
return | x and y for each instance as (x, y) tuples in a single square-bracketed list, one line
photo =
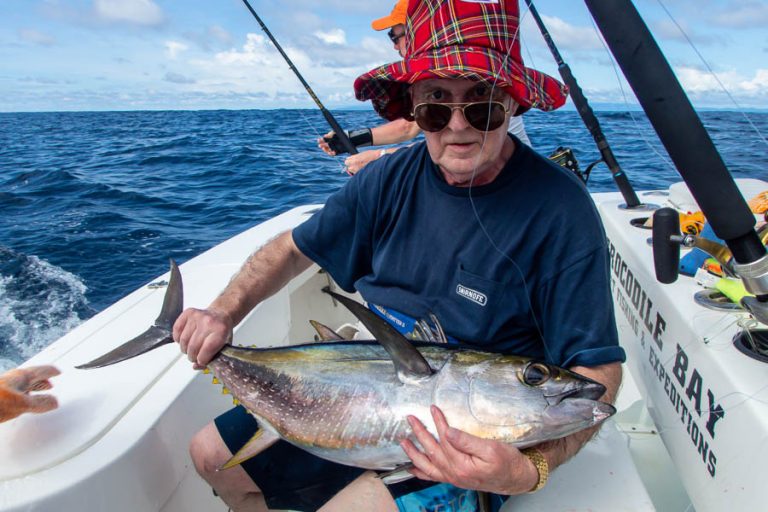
[(92, 204)]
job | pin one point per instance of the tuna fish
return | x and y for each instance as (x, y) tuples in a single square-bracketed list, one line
[(348, 401)]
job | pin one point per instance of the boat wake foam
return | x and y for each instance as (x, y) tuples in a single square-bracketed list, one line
[(39, 302)]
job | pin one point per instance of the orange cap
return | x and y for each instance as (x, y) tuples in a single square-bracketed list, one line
[(396, 17)]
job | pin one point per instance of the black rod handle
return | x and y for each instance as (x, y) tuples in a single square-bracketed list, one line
[(678, 126), (666, 252)]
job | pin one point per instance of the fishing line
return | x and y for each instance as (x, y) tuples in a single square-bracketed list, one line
[(482, 226), (340, 133), (639, 129), (342, 167), (714, 75)]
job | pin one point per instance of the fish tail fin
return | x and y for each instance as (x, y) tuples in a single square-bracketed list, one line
[(159, 334)]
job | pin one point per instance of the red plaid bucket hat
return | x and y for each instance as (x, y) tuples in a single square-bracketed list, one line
[(470, 39)]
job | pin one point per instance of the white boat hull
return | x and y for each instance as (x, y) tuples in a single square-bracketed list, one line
[(708, 400), (119, 440)]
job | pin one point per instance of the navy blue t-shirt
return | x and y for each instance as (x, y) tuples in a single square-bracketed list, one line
[(519, 265)]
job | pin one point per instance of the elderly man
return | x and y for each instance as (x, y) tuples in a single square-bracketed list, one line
[(397, 130), (471, 208)]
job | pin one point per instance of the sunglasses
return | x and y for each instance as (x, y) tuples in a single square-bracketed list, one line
[(394, 37), (484, 116)]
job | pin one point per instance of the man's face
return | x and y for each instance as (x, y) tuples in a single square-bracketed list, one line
[(465, 154), (397, 36)]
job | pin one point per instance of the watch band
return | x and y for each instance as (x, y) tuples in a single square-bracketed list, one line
[(542, 466)]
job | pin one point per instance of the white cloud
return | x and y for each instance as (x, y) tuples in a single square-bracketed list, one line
[(742, 14), (256, 68), (565, 35), (699, 82), (333, 36), (174, 48), (178, 78), (758, 84), (33, 36), (137, 12)]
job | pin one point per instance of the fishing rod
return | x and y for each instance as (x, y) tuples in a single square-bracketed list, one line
[(689, 145), (588, 116), (340, 133)]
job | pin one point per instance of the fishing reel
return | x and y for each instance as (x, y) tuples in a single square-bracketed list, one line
[(565, 158), (667, 241)]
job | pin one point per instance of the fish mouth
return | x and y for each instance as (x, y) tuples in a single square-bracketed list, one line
[(588, 390)]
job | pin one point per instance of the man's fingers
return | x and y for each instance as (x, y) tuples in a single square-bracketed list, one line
[(179, 325), (186, 334), (42, 403), (29, 379), (36, 377), (41, 373), (443, 429), (422, 466), (210, 347), (469, 445), (40, 385), (427, 440)]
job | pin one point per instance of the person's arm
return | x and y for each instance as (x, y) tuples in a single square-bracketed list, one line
[(394, 132), (558, 452), (471, 462), (202, 333)]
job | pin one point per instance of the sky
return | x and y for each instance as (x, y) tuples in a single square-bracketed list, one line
[(95, 55)]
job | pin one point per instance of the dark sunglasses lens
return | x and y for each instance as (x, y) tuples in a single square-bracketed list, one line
[(485, 116), (432, 117), (394, 37)]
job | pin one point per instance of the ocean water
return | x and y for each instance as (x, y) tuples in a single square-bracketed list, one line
[(92, 204)]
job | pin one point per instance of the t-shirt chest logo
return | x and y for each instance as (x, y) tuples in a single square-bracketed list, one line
[(473, 295)]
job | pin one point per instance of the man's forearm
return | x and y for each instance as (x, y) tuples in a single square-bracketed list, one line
[(394, 132), (559, 451), (264, 273)]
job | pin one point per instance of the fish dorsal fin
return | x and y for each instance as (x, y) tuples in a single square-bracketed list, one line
[(325, 333), (409, 363)]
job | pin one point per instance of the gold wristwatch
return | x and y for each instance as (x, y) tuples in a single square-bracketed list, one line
[(542, 466)]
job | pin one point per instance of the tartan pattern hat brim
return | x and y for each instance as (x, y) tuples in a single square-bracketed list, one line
[(460, 39)]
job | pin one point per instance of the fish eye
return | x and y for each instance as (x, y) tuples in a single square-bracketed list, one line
[(535, 374)]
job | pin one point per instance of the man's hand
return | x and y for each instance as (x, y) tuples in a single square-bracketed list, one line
[(354, 163), (468, 461), (201, 334), (322, 143), (16, 386)]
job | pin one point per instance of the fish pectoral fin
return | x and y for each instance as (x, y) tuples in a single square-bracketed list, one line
[(325, 333), (409, 363), (397, 475), (250, 449)]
